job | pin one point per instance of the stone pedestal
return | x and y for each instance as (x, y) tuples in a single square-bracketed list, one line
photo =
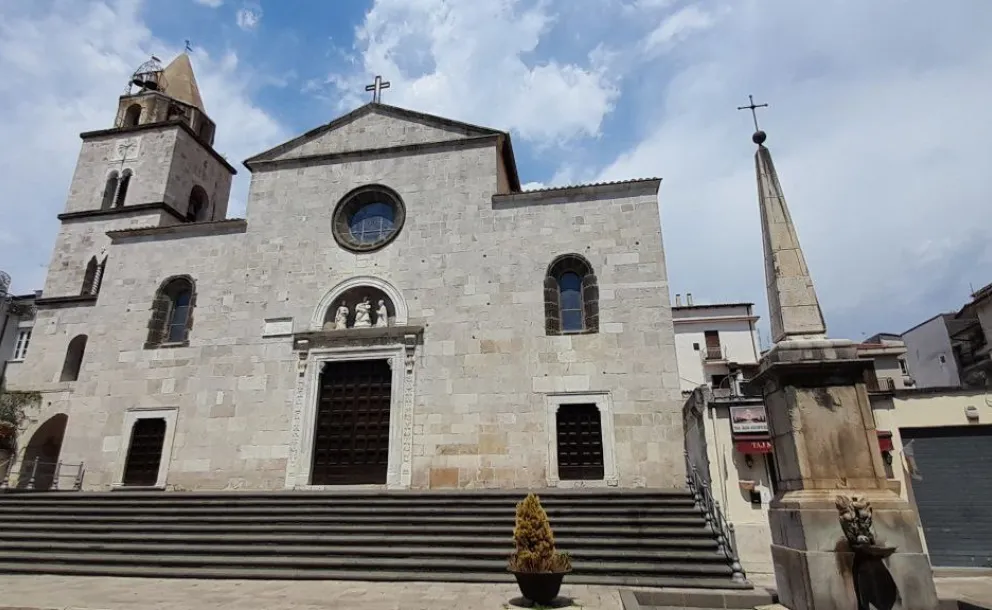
[(825, 443)]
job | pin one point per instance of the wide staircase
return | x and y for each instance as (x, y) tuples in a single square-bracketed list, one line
[(629, 537)]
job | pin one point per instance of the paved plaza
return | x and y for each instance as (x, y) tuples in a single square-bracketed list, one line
[(110, 593), (23, 592)]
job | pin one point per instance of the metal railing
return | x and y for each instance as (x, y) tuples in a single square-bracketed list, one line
[(36, 475), (714, 353), (726, 538)]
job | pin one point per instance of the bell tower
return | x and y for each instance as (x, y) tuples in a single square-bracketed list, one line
[(154, 166)]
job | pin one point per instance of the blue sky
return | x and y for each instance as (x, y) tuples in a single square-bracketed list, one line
[(879, 118)]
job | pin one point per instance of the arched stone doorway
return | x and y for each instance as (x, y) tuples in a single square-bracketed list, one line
[(44, 447)]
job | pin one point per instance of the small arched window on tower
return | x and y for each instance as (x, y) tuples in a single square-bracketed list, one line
[(198, 205), (109, 190), (73, 358), (93, 276), (571, 296), (132, 116), (122, 188), (89, 278), (172, 313)]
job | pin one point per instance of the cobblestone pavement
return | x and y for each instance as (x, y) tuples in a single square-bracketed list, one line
[(106, 593)]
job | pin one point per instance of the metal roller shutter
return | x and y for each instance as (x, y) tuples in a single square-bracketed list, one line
[(954, 492)]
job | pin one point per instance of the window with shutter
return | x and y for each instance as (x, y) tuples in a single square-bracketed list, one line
[(122, 188), (89, 277), (590, 303), (109, 191), (172, 313), (552, 317), (571, 296)]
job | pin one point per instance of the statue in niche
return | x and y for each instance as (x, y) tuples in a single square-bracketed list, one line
[(362, 310), (341, 316), (381, 315)]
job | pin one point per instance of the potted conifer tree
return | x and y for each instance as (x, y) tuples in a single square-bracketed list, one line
[(538, 567)]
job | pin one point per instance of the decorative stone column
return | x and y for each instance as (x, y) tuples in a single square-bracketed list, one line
[(825, 442)]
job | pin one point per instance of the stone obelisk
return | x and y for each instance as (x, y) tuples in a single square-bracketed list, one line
[(824, 438)]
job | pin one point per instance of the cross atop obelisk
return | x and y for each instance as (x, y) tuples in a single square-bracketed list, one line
[(753, 108), (376, 89)]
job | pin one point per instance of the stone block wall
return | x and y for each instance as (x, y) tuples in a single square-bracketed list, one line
[(470, 270)]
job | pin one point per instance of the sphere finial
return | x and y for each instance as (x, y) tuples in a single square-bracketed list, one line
[(759, 137)]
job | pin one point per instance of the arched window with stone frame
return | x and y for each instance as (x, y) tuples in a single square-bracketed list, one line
[(199, 205), (73, 358), (571, 296), (89, 277), (122, 188), (109, 190), (93, 276), (132, 116), (172, 313)]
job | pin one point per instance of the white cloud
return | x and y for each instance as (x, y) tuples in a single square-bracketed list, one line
[(676, 27), (210, 3), (248, 18), (63, 65), (881, 141), (475, 61)]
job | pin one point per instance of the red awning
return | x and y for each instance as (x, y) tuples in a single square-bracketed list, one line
[(884, 440)]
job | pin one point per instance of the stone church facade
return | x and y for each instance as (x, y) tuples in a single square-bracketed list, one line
[(394, 311)]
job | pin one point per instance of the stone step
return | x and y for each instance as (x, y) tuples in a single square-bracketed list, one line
[(571, 542), (582, 556), (193, 528), (505, 521), (433, 496), (360, 563), (61, 509), (125, 500), (10, 567), (619, 537)]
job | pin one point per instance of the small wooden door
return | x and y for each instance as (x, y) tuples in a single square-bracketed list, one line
[(351, 435), (144, 454), (580, 443)]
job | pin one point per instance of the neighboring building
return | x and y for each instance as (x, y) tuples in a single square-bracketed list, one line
[(16, 322), (715, 344), (727, 441), (394, 311), (891, 372), (952, 349), (929, 353)]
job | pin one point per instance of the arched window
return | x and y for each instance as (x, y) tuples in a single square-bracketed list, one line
[(132, 116), (571, 296), (89, 278), (73, 358), (172, 312), (93, 276), (109, 191), (122, 188), (198, 205)]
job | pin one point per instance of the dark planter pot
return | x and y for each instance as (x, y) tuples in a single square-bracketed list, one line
[(539, 587)]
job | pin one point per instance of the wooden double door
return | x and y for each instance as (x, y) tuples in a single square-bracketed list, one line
[(351, 431)]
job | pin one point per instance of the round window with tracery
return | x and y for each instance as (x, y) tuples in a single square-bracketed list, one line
[(368, 218)]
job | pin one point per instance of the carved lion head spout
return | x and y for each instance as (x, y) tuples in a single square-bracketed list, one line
[(856, 521)]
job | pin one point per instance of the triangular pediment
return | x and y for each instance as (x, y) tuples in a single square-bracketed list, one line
[(373, 127)]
